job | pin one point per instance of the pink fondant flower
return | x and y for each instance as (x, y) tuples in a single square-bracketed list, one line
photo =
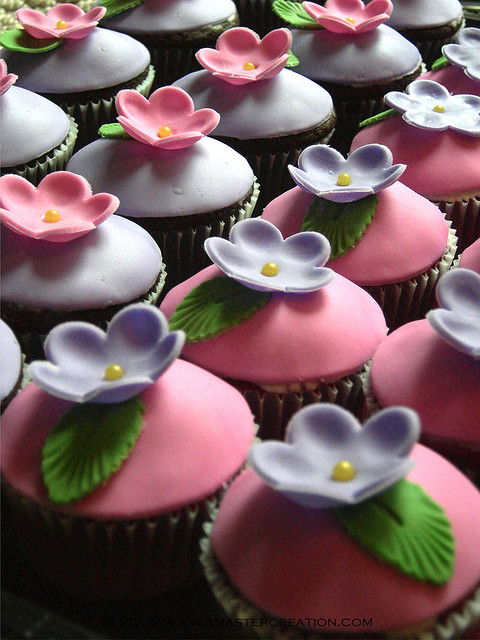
[(62, 21), (167, 119), (6, 79), (241, 56), (347, 16), (60, 209)]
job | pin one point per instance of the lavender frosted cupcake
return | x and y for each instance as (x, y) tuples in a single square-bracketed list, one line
[(11, 372), (36, 136), (65, 57)]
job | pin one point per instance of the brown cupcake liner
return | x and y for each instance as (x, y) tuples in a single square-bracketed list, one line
[(273, 410), (92, 114), (410, 300), (54, 160), (451, 626), (465, 216)]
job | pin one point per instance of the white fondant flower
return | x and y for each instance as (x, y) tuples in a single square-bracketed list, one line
[(465, 54), (330, 459), (86, 364), (428, 105), (257, 256), (458, 318), (324, 172)]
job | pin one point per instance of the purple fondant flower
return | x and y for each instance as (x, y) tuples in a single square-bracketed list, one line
[(329, 459), (60, 209), (257, 256), (166, 119), (347, 16), (61, 21), (428, 105), (466, 54), (6, 79), (241, 56), (324, 172), (458, 318), (86, 364)]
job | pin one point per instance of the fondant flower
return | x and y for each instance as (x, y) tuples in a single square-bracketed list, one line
[(60, 209), (458, 318), (167, 119), (466, 54), (324, 172), (241, 56), (6, 79), (86, 364), (428, 105), (61, 21), (347, 16), (257, 256), (329, 459)]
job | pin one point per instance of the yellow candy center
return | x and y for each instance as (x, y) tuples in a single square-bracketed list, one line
[(164, 132), (270, 269), (343, 471), (114, 372), (61, 24), (349, 19), (439, 108), (344, 180), (51, 215), (249, 66)]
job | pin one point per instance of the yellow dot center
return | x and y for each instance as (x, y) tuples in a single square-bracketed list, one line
[(61, 24), (270, 269), (114, 372), (164, 132), (51, 215), (344, 180), (343, 471), (439, 108), (350, 19), (249, 66)]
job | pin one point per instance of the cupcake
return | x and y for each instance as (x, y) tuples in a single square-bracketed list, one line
[(433, 366), (11, 372), (173, 31), (267, 113), (65, 57), (348, 531), (171, 179), (119, 512), (65, 257), (458, 69), (349, 52), (438, 138), (470, 258), (36, 136), (271, 320), (384, 237), (429, 24)]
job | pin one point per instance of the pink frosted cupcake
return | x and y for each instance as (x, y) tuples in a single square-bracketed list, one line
[(433, 366), (436, 131), (470, 258), (272, 321), (348, 531), (113, 455), (384, 237)]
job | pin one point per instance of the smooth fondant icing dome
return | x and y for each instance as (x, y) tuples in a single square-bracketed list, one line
[(408, 14), (11, 360)]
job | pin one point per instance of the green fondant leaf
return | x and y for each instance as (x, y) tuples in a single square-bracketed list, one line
[(293, 13), (88, 444), (343, 223), (440, 63), (20, 40), (113, 130), (406, 528), (292, 61), (384, 115), (119, 6), (214, 307)]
